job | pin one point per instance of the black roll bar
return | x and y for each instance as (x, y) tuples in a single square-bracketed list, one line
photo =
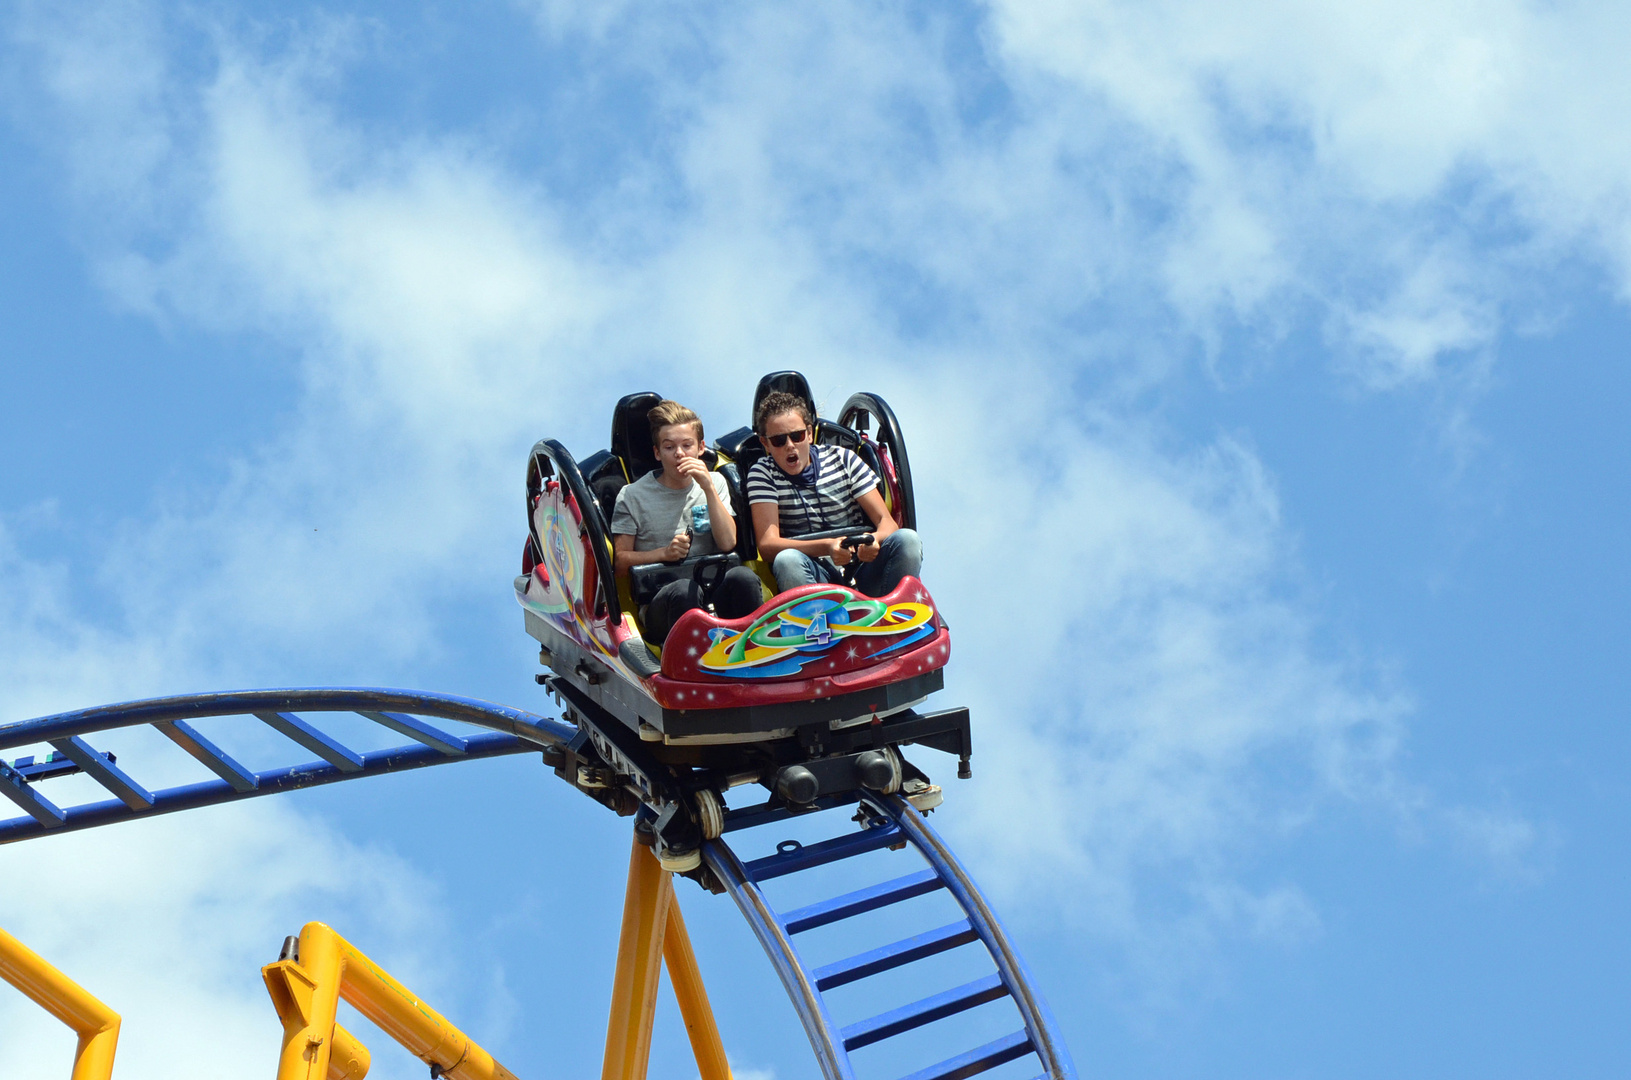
[(889, 433), (550, 458)]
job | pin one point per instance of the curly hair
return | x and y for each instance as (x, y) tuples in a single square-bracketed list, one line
[(777, 402)]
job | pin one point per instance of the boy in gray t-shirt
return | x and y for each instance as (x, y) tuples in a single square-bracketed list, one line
[(680, 512), (654, 513)]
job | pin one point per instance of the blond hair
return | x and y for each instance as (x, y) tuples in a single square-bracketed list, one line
[(667, 414)]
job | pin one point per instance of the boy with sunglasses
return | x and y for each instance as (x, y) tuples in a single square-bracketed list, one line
[(800, 488)]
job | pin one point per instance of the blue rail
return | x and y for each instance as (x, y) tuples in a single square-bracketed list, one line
[(510, 731), (892, 823), (886, 822)]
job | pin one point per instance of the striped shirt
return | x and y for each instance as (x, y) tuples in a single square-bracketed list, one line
[(829, 503)]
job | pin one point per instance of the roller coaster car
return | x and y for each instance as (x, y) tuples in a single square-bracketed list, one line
[(821, 677)]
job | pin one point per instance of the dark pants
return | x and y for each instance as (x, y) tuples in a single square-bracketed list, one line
[(738, 595)]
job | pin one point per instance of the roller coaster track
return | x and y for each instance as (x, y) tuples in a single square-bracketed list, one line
[(886, 822), (879, 823), (399, 710)]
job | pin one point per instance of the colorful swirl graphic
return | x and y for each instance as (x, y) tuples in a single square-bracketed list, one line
[(562, 599), (561, 557), (785, 638)]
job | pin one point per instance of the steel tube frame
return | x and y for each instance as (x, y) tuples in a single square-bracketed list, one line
[(646, 900), (96, 1025), (306, 991), (510, 731)]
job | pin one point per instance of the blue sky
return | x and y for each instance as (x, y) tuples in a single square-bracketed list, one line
[(1263, 374)]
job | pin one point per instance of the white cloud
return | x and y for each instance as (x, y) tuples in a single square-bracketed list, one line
[(1429, 313), (104, 70), (1149, 704), (1327, 144), (1128, 625), (1503, 841)]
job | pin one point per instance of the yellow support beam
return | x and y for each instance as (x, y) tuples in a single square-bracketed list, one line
[(698, 1015), (95, 1023), (646, 901), (307, 988), (654, 933), (306, 991)]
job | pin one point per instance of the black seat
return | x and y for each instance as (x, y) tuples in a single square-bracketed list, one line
[(746, 548), (790, 382), (743, 444), (631, 433), (631, 455), (868, 453), (603, 472)]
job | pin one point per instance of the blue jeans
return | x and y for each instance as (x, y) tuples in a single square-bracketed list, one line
[(900, 554)]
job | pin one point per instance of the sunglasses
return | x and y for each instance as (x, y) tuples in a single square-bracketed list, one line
[(779, 441)]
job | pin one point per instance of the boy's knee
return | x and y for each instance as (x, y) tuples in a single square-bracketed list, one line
[(739, 594), (908, 547), (790, 568), (741, 577)]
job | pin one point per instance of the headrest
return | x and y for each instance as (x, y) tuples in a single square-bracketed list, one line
[(631, 433), (790, 382)]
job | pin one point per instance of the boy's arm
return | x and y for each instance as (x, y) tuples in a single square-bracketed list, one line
[(883, 523), (767, 532), (624, 556), (721, 518)]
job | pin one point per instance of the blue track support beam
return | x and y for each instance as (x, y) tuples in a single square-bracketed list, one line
[(862, 900), (105, 772), (311, 774), (798, 857), (949, 1003), (865, 965), (318, 743), (46, 814), (402, 724), (766, 813), (212, 757), (976, 1061), (47, 768)]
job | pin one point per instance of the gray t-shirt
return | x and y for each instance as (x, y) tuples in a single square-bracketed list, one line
[(653, 513)]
